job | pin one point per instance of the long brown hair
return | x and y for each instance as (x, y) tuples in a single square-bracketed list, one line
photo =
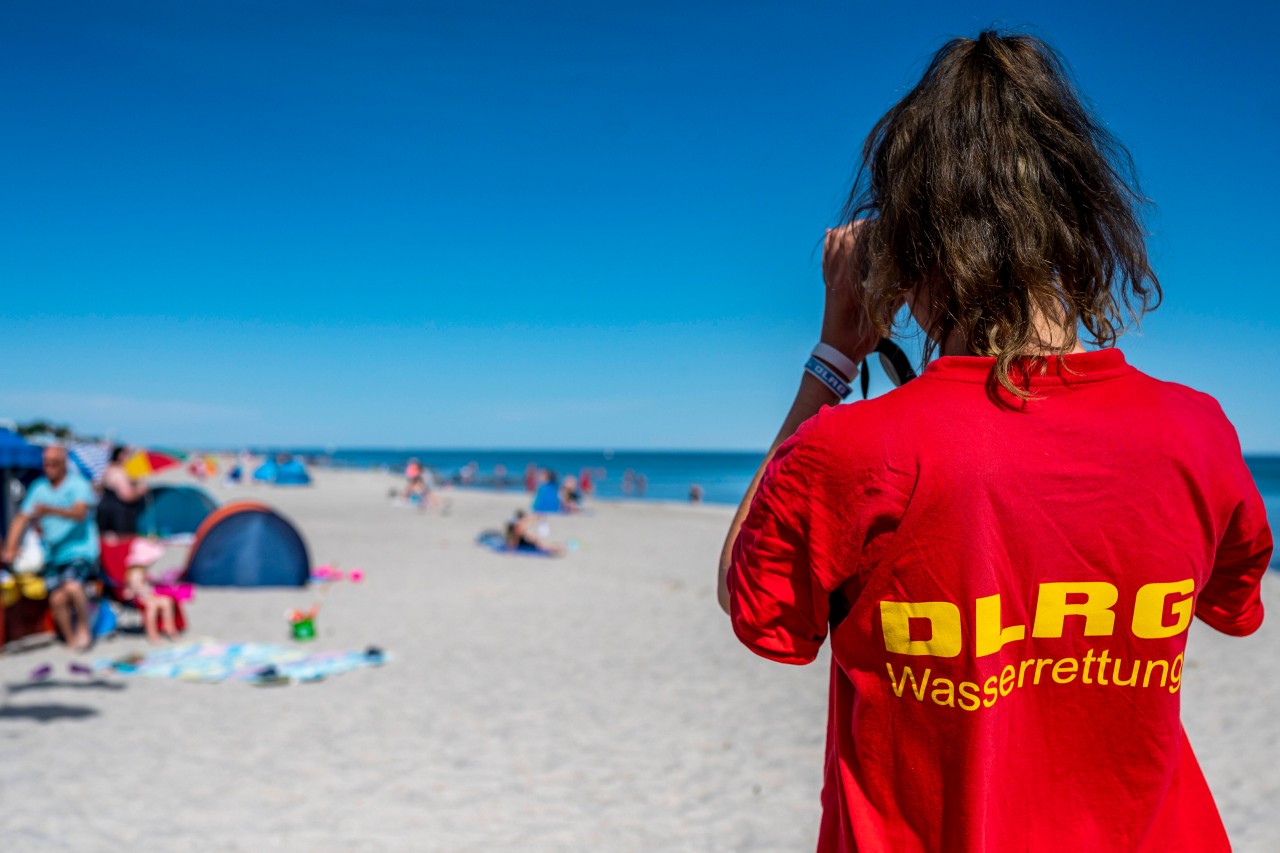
[(991, 191)]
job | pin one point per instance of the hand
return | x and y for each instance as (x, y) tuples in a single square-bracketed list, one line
[(8, 556), (845, 324), (39, 511)]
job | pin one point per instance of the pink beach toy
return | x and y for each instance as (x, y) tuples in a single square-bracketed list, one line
[(327, 573)]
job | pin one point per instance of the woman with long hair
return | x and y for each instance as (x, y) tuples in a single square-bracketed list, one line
[(1006, 552)]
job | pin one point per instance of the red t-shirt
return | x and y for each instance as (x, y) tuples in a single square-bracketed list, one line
[(1019, 581)]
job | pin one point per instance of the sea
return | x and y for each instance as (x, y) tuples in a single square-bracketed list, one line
[(654, 475)]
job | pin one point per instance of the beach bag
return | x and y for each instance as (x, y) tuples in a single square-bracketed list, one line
[(31, 555), (32, 587), (104, 620)]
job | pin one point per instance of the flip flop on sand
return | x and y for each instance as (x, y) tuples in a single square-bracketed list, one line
[(41, 673), (80, 669)]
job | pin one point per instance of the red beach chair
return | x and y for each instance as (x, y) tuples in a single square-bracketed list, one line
[(25, 622)]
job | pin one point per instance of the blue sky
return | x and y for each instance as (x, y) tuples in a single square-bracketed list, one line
[(538, 224)]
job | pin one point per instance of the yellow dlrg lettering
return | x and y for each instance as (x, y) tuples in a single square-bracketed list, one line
[(989, 635), (1052, 608), (1148, 609), (944, 625)]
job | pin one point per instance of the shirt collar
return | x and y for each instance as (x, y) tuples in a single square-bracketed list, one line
[(1036, 371)]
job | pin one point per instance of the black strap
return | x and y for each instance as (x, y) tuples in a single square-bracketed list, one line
[(895, 363)]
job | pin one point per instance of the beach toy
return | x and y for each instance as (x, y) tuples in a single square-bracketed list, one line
[(326, 573), (302, 623)]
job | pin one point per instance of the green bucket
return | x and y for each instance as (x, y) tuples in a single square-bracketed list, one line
[(304, 629)]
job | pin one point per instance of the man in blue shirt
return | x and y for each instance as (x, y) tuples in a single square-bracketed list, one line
[(59, 505)]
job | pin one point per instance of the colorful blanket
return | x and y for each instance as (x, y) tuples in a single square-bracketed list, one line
[(256, 663)]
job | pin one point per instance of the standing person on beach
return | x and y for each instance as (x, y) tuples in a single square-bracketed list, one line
[(122, 498), (1007, 551), (60, 506)]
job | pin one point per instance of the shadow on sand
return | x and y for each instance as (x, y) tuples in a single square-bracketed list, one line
[(64, 684), (46, 713), (51, 711)]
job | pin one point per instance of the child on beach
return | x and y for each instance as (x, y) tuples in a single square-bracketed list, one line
[(1007, 551), (159, 618)]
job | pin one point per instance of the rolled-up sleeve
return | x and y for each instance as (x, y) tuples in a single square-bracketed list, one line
[(779, 610), (1231, 600)]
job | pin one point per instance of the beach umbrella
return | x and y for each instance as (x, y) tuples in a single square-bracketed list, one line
[(17, 456), (17, 452), (144, 463), (91, 458)]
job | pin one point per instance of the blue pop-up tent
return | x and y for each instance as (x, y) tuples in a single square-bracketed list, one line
[(174, 511), (292, 473), (266, 472), (289, 472), (247, 544)]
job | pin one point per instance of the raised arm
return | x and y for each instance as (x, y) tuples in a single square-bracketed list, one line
[(846, 327)]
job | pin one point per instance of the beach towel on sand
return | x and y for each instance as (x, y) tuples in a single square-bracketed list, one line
[(495, 541), (252, 662)]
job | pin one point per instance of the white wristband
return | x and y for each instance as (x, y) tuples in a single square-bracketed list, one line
[(836, 359)]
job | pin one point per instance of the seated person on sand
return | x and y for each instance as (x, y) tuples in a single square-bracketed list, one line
[(521, 538), (570, 494), (58, 507), (417, 492), (412, 471), (158, 611), (118, 509), (423, 494)]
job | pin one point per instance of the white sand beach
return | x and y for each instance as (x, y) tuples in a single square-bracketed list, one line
[(595, 702)]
